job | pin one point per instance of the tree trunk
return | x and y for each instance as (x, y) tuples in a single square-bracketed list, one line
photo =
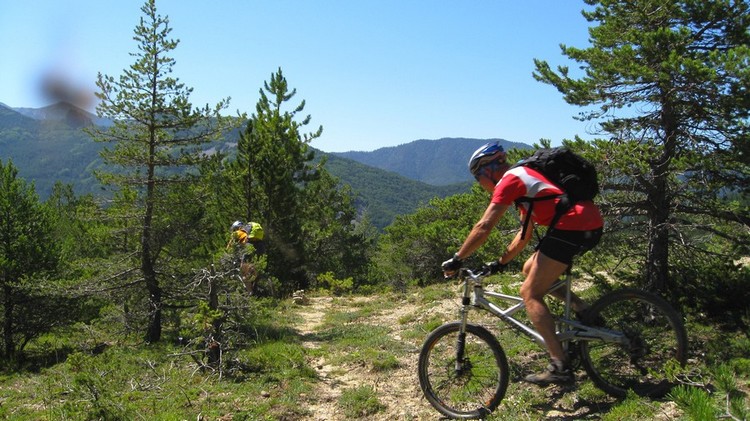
[(657, 269), (660, 203), (153, 332), (8, 323), (213, 342)]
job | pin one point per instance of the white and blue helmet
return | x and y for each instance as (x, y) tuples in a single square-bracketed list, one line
[(490, 153)]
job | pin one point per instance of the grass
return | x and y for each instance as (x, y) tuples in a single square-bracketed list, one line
[(360, 402), (633, 407), (127, 380), (359, 343), (124, 383)]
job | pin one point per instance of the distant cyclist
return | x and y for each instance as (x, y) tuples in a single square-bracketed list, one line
[(577, 231), (244, 236)]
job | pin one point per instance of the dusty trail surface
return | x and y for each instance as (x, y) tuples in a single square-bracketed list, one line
[(397, 389)]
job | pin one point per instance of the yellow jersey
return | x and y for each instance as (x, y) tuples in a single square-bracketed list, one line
[(251, 232)]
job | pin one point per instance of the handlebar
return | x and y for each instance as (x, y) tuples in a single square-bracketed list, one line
[(478, 273), (474, 274)]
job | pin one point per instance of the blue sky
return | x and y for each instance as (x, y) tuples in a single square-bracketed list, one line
[(372, 73)]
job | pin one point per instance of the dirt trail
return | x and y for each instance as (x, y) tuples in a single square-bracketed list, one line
[(397, 389)]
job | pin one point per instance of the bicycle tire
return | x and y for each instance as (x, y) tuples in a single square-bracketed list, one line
[(478, 389), (657, 335)]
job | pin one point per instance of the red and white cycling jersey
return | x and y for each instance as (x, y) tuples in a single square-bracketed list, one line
[(525, 182)]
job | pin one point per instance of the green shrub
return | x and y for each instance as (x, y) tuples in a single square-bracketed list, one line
[(432, 323), (695, 402), (741, 366), (338, 287), (436, 293), (414, 245)]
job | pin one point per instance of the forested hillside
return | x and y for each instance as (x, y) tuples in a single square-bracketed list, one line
[(384, 195), (52, 147), (438, 162), (50, 150)]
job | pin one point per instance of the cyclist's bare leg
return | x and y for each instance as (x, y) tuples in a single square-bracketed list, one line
[(576, 302), (541, 272), (248, 274)]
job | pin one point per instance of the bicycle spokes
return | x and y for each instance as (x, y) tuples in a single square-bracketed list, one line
[(654, 336), (463, 376)]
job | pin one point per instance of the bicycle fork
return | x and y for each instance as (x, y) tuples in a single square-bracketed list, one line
[(461, 339)]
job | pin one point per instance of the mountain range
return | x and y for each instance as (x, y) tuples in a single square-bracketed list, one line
[(48, 145), (437, 162)]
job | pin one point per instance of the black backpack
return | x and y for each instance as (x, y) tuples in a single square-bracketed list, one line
[(575, 176)]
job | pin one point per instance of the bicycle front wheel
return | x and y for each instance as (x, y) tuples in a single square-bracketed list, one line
[(467, 386), (655, 336)]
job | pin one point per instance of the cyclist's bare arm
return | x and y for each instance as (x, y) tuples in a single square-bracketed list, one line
[(482, 229), (516, 246)]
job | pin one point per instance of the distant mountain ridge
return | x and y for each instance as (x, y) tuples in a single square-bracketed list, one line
[(48, 145), (437, 162), (62, 111), (11, 118)]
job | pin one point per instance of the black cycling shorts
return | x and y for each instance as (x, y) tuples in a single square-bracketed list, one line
[(563, 245)]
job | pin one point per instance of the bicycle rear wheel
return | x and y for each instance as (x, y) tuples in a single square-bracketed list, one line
[(469, 387), (655, 333)]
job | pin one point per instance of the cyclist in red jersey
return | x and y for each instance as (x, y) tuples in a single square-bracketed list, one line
[(576, 231)]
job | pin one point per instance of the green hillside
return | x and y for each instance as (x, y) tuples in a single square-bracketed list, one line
[(56, 149), (438, 162), (384, 195), (13, 119), (49, 151)]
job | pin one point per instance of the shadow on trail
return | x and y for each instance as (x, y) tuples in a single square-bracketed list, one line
[(559, 409)]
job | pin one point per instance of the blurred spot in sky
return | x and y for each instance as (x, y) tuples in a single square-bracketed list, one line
[(56, 85), (61, 73)]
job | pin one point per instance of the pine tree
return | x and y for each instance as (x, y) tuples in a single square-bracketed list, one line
[(157, 139), (341, 241), (670, 84), (272, 167), (27, 252)]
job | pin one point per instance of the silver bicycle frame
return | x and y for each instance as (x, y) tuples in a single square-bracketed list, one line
[(474, 296)]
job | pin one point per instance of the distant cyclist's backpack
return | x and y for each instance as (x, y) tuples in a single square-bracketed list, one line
[(254, 231), (575, 176)]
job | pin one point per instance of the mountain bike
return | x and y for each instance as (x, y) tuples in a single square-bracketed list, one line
[(623, 342)]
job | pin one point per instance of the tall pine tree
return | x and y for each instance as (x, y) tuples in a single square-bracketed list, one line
[(670, 84), (157, 137), (272, 168)]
